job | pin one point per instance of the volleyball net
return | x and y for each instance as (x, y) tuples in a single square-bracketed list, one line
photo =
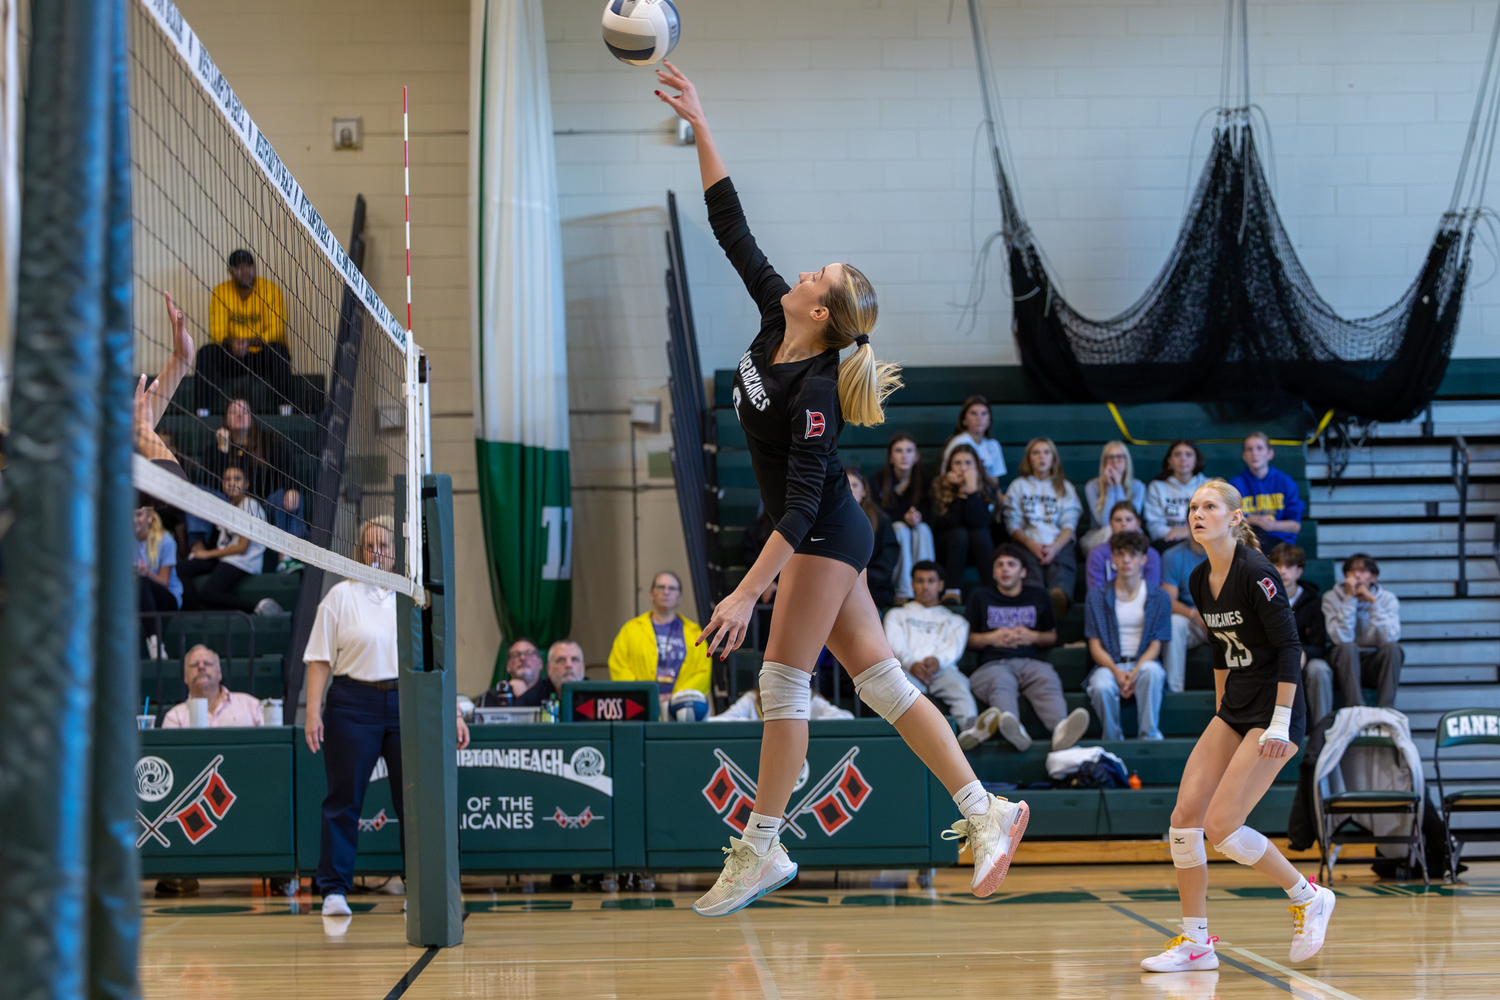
[(303, 394)]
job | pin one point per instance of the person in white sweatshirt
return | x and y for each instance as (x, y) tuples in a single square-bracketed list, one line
[(1364, 634), (1041, 514), (928, 639), (1168, 494)]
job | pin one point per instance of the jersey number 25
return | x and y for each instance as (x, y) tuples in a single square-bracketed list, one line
[(1235, 653)]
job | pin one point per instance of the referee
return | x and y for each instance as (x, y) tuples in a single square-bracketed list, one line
[(354, 640)]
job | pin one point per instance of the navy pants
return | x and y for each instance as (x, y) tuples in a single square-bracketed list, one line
[(360, 725)]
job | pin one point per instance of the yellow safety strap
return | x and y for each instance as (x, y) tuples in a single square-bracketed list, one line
[(1125, 431)]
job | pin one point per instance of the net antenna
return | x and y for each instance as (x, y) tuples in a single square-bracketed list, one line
[(302, 379)]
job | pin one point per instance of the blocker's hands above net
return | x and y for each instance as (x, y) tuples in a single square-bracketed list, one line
[(686, 103)]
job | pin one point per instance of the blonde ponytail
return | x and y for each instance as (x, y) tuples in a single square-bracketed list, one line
[(1232, 499), (864, 383)]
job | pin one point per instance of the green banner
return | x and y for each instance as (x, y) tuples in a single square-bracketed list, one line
[(519, 332), (528, 534)]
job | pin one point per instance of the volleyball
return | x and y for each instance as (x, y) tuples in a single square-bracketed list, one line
[(640, 32)]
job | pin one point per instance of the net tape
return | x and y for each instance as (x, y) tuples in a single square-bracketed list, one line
[(172, 489), (257, 148)]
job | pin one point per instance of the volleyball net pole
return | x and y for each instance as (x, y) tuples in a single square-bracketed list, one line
[(427, 646)]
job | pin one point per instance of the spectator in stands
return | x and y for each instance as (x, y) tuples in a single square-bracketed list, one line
[(962, 509), (1126, 624), (247, 334), (1272, 507), (973, 429), (1115, 484), (928, 639), (352, 653), (288, 515), (1099, 568), (523, 668), (205, 679), (661, 645), (902, 492), (1168, 494), (156, 569), (1317, 675), (1041, 515), (564, 666), (1009, 626), (885, 557), (221, 569), (1364, 628), (241, 442), (1188, 630)]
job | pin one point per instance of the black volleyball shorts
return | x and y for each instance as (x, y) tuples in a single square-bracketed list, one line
[(844, 535)]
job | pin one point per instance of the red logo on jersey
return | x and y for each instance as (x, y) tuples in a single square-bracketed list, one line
[(1268, 586), (815, 424)]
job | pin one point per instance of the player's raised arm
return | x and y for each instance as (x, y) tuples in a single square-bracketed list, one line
[(690, 110)]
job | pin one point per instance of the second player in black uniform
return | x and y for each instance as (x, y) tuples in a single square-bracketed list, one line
[(792, 394), (1258, 724)]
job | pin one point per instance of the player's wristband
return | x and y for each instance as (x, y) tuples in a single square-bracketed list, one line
[(1280, 727)]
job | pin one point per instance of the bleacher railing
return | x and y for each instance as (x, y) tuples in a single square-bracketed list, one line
[(1460, 466)]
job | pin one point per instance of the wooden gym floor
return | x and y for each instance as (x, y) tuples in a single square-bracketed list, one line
[(1067, 931)]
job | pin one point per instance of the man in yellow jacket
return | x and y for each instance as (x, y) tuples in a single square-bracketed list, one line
[(660, 645), (247, 337)]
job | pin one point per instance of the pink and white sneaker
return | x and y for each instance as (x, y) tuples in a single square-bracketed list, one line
[(1183, 954), (1310, 924)]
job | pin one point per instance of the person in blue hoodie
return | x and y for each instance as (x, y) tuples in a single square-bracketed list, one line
[(1272, 507)]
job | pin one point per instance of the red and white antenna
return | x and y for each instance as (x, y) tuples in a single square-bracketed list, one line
[(406, 168)]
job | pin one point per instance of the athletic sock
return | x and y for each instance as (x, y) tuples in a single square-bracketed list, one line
[(1302, 893), (760, 830), (1196, 928), (972, 800)]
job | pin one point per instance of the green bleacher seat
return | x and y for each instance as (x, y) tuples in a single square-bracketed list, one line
[(273, 633), (280, 587)]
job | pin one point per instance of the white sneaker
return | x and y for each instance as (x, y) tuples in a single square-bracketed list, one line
[(152, 648), (1012, 730), (1183, 954), (1310, 924), (992, 839), (983, 728), (1070, 730), (746, 877), (335, 905), (268, 606)]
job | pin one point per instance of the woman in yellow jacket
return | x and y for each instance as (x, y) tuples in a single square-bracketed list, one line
[(660, 645)]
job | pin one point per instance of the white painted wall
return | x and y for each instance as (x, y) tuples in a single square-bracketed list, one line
[(849, 128)]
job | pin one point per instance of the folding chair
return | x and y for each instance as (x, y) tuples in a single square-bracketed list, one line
[(1462, 727), (1368, 802)]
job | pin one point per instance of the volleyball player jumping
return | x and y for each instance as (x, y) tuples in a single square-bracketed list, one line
[(792, 396), (1259, 723)]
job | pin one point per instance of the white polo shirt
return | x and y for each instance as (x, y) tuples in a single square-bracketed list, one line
[(355, 631)]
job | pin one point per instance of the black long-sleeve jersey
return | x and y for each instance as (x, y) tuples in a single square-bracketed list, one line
[(1254, 636), (790, 412)]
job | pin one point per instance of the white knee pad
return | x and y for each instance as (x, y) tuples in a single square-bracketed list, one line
[(785, 692), (886, 688), (1243, 845), (1187, 846)]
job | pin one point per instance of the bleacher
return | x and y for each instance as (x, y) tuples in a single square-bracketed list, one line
[(926, 408)]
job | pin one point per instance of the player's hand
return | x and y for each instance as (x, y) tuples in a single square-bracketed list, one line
[(182, 341), (314, 730), (1274, 749), (726, 629), (686, 104)]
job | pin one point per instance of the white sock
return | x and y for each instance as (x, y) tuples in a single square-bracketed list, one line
[(972, 800), (1302, 893), (759, 831), (1196, 928)]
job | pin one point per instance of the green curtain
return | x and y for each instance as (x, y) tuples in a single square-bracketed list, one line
[(520, 348)]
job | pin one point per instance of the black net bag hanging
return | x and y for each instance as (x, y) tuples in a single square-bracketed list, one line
[(1232, 314)]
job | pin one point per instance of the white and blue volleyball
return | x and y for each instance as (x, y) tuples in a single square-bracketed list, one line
[(640, 32)]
